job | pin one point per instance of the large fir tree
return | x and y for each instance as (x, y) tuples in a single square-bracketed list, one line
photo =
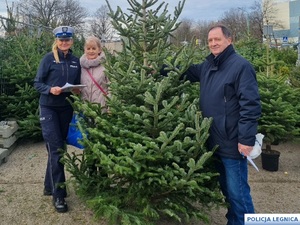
[(146, 158)]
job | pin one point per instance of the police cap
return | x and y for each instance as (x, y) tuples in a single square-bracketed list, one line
[(63, 32)]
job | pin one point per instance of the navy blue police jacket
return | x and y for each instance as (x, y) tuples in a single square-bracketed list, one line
[(51, 74), (228, 94)]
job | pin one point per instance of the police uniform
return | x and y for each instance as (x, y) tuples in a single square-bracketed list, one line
[(55, 110)]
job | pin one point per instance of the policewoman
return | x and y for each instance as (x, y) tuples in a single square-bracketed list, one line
[(55, 70)]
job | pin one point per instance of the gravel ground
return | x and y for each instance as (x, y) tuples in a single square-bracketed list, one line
[(22, 201)]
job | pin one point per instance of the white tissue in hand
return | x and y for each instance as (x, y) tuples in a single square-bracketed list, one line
[(256, 151)]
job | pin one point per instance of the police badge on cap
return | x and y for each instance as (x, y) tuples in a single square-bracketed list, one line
[(63, 32)]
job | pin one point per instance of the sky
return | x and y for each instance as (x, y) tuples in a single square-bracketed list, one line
[(194, 9), (197, 10)]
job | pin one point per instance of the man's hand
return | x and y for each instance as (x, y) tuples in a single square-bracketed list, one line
[(244, 149)]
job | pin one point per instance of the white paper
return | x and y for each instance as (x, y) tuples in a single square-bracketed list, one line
[(68, 87)]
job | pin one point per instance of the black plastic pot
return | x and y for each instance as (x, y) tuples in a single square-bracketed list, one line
[(270, 160)]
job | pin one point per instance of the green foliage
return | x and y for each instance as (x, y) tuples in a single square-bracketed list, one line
[(280, 110), (287, 55), (146, 159), (18, 98), (137, 166), (295, 77), (251, 50), (78, 46), (271, 61)]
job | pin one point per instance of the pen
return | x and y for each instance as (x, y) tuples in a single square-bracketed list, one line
[(252, 163)]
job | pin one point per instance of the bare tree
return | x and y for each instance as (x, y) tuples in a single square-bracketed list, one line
[(245, 23), (256, 21), (52, 13), (236, 20), (270, 18), (269, 13), (75, 13), (101, 26), (9, 24), (201, 30), (184, 33)]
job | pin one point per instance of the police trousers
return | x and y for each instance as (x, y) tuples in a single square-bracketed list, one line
[(55, 124)]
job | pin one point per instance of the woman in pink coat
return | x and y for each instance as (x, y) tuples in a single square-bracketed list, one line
[(93, 76), (92, 72)]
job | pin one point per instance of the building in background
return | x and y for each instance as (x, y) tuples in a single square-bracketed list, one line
[(285, 21)]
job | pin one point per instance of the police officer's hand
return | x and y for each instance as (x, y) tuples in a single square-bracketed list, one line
[(55, 90)]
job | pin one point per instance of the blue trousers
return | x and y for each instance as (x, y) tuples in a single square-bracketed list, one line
[(234, 185), (55, 124)]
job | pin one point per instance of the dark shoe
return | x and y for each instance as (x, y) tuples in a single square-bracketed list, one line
[(47, 192), (60, 205)]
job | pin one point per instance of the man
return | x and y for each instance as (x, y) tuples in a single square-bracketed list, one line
[(229, 94)]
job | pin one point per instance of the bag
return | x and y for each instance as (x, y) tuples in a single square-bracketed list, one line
[(74, 134), (256, 151)]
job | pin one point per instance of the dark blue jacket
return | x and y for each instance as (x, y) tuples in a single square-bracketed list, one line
[(229, 94), (51, 74)]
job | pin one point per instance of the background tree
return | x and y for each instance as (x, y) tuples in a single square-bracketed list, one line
[(269, 12), (18, 95), (10, 24), (184, 33), (236, 21), (101, 26), (256, 21), (148, 155), (52, 13), (252, 50), (295, 77), (280, 110), (244, 23), (201, 31)]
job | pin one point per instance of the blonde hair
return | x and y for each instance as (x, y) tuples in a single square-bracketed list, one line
[(93, 40), (55, 52)]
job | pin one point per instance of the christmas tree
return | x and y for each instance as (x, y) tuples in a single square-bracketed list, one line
[(146, 159), (280, 110), (20, 56)]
